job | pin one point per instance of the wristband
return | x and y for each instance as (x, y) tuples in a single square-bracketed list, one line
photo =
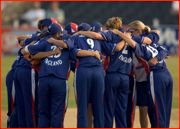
[(26, 49)]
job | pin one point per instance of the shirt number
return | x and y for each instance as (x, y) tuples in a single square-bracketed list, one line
[(55, 56), (91, 43), (124, 50), (152, 50)]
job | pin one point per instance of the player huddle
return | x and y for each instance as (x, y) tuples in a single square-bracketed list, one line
[(109, 66)]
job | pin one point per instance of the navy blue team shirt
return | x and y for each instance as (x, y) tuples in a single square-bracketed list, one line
[(162, 52), (121, 61), (81, 42), (57, 65)]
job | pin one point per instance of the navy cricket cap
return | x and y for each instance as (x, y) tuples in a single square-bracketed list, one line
[(71, 28), (64, 32), (84, 27), (96, 27), (48, 21), (65, 36), (54, 28)]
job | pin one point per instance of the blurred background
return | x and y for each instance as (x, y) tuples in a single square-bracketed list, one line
[(21, 17)]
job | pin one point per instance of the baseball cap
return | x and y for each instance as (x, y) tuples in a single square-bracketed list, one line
[(71, 28), (96, 27), (65, 36), (54, 28), (60, 26), (48, 21), (64, 32), (84, 27)]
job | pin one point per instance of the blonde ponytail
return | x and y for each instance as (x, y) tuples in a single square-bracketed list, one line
[(140, 25), (147, 30)]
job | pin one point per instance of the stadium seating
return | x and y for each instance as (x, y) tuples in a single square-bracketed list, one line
[(90, 11)]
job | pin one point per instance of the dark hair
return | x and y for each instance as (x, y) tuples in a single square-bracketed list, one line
[(42, 35), (60, 38), (80, 28), (40, 25)]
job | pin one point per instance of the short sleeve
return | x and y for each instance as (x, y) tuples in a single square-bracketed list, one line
[(29, 40), (37, 47), (73, 54), (154, 37), (70, 42), (108, 48), (162, 53), (107, 35), (138, 39)]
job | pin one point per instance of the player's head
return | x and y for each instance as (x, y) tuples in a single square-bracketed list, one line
[(113, 23), (71, 28), (96, 27), (84, 27), (138, 27), (45, 23), (53, 30)]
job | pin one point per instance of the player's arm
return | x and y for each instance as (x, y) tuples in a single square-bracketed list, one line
[(23, 37), (126, 37), (59, 43), (90, 34), (41, 55), (157, 31), (141, 39), (147, 40), (162, 54), (23, 50), (84, 53), (119, 46)]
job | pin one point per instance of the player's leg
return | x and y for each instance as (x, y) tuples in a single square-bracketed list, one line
[(143, 116), (122, 100), (11, 93), (58, 101), (44, 97), (130, 113), (14, 123), (142, 102), (158, 83), (169, 92), (82, 83), (20, 99), (97, 92), (109, 99), (90, 116), (29, 84)]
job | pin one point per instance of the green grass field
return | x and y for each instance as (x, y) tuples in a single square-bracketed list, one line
[(6, 62)]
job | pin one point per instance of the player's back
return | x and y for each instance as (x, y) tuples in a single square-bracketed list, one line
[(85, 43), (57, 65), (120, 61), (160, 64)]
